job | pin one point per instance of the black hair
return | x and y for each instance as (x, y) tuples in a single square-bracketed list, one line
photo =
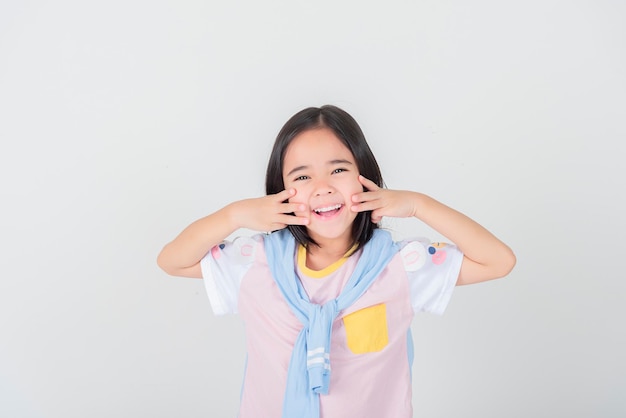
[(350, 134)]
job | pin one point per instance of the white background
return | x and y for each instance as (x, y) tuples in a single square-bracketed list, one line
[(123, 121)]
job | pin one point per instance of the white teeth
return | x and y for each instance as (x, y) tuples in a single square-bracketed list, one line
[(327, 209)]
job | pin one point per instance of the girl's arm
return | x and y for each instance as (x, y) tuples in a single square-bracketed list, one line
[(485, 256), (182, 256)]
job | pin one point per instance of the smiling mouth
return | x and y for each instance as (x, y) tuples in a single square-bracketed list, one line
[(328, 210)]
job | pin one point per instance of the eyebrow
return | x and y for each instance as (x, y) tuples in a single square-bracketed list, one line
[(331, 162)]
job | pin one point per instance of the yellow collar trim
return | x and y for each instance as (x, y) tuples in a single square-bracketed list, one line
[(318, 274)]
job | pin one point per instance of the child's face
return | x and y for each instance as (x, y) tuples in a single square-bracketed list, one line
[(325, 175)]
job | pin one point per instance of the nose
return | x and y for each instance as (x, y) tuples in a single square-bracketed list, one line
[(322, 187)]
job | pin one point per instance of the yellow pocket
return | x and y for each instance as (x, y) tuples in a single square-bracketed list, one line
[(366, 329)]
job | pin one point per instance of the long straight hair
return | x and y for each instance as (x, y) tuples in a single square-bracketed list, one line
[(350, 134)]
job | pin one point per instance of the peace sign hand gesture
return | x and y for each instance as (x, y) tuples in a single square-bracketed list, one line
[(384, 202)]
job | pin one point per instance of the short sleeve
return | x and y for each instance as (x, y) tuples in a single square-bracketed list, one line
[(432, 269), (223, 269)]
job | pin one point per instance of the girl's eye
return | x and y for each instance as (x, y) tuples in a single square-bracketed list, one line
[(299, 178), (339, 170)]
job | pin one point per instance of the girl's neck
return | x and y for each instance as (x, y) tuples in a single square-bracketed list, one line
[(318, 258)]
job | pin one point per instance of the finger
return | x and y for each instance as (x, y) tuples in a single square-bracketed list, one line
[(377, 215), (293, 220), (276, 227), (365, 206), (369, 184), (292, 207), (285, 194), (365, 197), (287, 220)]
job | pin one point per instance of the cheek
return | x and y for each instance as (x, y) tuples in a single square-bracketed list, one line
[(355, 186), (302, 193), (299, 198)]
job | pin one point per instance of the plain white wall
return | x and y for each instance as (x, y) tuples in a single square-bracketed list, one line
[(123, 121)]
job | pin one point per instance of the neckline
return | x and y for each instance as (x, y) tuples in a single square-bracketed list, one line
[(319, 274)]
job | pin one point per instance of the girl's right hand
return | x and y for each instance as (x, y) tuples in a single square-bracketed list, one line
[(182, 256), (268, 213)]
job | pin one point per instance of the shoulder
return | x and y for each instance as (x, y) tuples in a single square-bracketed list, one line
[(418, 252), (239, 250)]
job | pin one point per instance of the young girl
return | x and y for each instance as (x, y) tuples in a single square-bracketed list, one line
[(327, 297)]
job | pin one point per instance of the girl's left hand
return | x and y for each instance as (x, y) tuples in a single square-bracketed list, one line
[(384, 202)]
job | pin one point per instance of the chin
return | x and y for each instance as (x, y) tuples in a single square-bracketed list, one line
[(322, 234)]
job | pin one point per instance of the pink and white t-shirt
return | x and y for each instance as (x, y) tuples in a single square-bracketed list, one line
[(370, 348)]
